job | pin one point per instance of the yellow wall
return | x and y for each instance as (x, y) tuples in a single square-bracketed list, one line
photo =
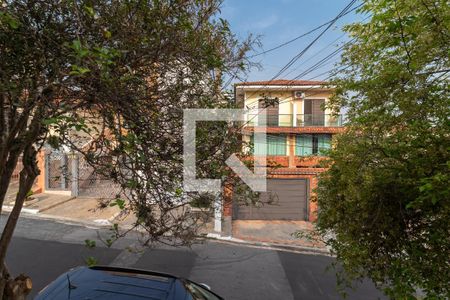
[(285, 98), (286, 106)]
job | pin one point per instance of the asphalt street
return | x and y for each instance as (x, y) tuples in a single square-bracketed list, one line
[(43, 249)]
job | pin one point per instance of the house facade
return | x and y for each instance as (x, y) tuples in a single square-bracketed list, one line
[(299, 131)]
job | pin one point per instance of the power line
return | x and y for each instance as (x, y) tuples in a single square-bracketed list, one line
[(329, 71), (324, 48), (323, 61), (301, 53), (317, 53), (303, 35)]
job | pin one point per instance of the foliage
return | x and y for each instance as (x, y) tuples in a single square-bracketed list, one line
[(203, 200), (385, 200), (89, 244), (110, 80), (91, 261)]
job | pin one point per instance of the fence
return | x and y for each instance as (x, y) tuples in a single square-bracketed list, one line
[(71, 173), (298, 120)]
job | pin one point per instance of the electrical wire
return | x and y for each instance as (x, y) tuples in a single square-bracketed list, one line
[(301, 53), (317, 53), (302, 35)]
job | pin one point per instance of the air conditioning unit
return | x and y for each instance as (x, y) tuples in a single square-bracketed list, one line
[(299, 95)]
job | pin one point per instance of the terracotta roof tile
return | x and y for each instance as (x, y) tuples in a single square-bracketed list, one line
[(283, 82)]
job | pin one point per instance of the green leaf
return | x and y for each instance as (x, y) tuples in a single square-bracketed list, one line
[(89, 243), (80, 51), (79, 71), (89, 10), (50, 121), (178, 192), (109, 242), (107, 34), (91, 261), (9, 19), (119, 202)]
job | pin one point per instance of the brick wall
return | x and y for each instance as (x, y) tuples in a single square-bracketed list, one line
[(318, 129), (286, 173), (297, 161)]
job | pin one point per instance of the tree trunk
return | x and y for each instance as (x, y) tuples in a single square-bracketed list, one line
[(19, 287), (6, 173)]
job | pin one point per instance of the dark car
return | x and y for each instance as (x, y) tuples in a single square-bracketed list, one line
[(120, 283)]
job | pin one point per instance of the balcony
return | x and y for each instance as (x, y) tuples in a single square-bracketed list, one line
[(299, 120)]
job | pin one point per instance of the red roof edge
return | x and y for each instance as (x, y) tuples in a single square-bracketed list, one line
[(286, 82)]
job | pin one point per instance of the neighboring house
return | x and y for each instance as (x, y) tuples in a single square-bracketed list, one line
[(299, 131), (66, 173)]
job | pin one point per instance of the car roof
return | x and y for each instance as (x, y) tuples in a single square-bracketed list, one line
[(113, 283)]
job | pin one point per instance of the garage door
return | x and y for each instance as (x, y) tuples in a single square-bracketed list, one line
[(285, 199)]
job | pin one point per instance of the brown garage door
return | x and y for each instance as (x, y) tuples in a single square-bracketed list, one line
[(289, 202)]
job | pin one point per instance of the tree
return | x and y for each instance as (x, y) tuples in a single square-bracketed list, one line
[(385, 200), (115, 75)]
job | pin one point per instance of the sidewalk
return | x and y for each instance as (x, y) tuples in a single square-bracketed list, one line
[(65, 207), (38, 203), (278, 233), (88, 211)]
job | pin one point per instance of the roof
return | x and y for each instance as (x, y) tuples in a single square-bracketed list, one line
[(286, 82), (113, 283)]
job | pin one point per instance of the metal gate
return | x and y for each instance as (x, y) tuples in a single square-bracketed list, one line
[(290, 202), (72, 173), (57, 171), (92, 184)]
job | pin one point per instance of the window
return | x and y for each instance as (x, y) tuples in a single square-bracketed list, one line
[(323, 143), (313, 113), (270, 108), (304, 145), (275, 145), (312, 144)]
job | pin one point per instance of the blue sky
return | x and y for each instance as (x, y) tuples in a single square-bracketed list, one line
[(278, 21)]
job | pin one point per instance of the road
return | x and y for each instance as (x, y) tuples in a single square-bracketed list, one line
[(43, 249)]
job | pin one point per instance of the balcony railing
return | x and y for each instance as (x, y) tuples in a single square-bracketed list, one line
[(299, 120)]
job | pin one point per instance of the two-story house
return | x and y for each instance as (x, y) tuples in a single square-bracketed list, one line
[(299, 131)]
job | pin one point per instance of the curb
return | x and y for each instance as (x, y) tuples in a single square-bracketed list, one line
[(31, 211), (35, 211), (103, 223), (99, 223), (36, 215), (272, 246)]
